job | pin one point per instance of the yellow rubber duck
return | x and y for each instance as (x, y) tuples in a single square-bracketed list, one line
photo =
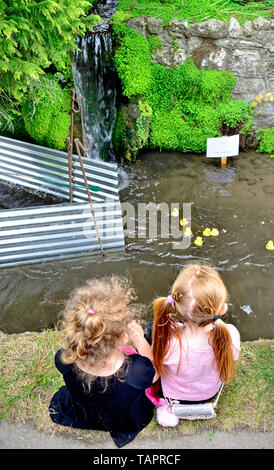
[(207, 232), (270, 245), (175, 212), (184, 222), (187, 232), (214, 232), (198, 241)]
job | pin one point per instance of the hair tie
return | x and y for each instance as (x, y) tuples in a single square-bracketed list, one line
[(170, 299), (91, 312), (216, 317)]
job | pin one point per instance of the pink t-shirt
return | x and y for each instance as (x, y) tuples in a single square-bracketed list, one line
[(198, 378)]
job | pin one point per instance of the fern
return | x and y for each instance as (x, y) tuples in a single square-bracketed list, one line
[(35, 35)]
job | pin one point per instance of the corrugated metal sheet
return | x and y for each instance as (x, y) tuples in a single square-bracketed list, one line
[(45, 233), (46, 170)]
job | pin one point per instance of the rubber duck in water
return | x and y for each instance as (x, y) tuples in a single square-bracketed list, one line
[(270, 245), (214, 232), (207, 232), (198, 241), (175, 212), (184, 222), (187, 232)]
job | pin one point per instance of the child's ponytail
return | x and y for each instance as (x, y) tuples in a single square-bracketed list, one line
[(223, 351), (164, 326)]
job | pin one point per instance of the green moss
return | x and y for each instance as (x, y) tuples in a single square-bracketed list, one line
[(58, 131), (187, 104), (175, 44), (47, 121), (172, 131), (266, 140), (154, 43), (132, 129), (132, 60)]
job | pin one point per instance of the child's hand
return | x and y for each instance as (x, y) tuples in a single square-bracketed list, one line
[(135, 332)]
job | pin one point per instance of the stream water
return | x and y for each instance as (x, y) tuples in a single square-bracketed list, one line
[(14, 197), (238, 200), (95, 76)]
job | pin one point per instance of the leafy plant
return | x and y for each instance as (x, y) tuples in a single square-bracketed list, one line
[(266, 140), (35, 35), (187, 104)]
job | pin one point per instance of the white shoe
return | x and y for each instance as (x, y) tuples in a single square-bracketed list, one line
[(165, 418)]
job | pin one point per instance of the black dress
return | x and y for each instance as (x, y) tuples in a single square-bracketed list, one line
[(123, 409)]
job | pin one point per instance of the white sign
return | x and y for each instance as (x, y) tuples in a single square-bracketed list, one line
[(223, 146)]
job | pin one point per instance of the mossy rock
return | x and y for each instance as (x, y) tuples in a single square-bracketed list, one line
[(185, 105), (131, 129)]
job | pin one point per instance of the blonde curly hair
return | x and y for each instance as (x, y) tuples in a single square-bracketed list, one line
[(93, 337)]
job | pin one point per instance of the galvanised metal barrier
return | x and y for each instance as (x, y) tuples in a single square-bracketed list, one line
[(46, 170), (59, 231), (46, 233)]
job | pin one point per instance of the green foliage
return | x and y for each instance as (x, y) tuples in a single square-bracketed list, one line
[(186, 104), (132, 60), (154, 43), (174, 131), (34, 35), (235, 111), (216, 86), (266, 140), (193, 11), (47, 120)]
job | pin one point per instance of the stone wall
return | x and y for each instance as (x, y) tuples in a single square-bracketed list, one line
[(246, 51)]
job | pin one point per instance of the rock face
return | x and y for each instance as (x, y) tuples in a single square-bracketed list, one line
[(246, 51)]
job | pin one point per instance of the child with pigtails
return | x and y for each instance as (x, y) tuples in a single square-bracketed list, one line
[(193, 348), (105, 380)]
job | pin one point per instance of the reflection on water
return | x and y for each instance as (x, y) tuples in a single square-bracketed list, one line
[(238, 201)]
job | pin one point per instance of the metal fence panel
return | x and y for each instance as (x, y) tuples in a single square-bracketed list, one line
[(46, 233), (46, 170)]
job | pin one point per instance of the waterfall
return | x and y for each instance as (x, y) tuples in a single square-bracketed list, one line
[(94, 77)]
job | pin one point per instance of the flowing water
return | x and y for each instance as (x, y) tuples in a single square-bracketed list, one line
[(238, 200), (95, 77)]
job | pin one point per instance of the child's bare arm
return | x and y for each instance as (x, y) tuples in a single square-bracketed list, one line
[(136, 335)]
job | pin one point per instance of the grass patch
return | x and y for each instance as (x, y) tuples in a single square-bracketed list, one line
[(194, 11), (28, 379)]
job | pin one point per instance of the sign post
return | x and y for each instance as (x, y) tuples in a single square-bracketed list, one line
[(223, 162), (223, 147)]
